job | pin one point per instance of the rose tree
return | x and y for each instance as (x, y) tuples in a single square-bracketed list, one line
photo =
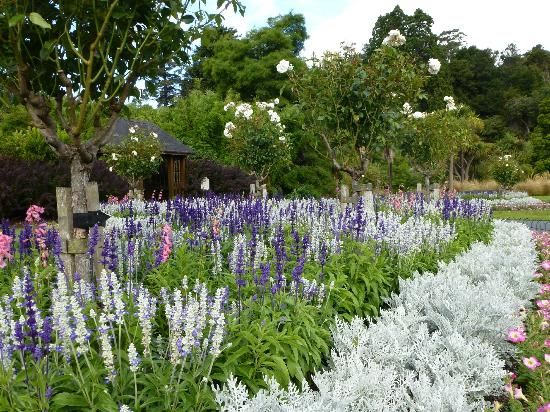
[(257, 137), (138, 157)]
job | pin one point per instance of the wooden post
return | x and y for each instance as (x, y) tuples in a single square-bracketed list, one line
[(419, 188), (344, 195), (435, 191), (252, 189), (368, 195), (264, 191), (92, 199), (65, 222)]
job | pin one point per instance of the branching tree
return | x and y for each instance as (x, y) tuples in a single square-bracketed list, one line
[(75, 63), (353, 107)]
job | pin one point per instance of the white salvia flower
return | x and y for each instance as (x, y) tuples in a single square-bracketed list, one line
[(228, 106), (394, 39), (418, 115), (229, 127), (282, 138), (434, 66), (407, 109), (114, 156), (81, 333), (106, 348), (133, 358), (284, 65), (262, 105), (244, 110), (134, 152)]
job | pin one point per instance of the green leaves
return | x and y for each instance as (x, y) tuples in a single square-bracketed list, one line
[(37, 19), (15, 20)]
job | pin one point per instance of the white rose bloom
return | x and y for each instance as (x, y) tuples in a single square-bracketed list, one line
[(450, 103), (434, 66), (284, 66), (262, 105), (407, 109), (244, 110), (111, 169), (134, 152), (276, 101), (273, 116), (418, 115), (132, 129), (229, 127), (134, 139), (228, 106), (154, 135), (153, 158), (394, 39), (282, 138)]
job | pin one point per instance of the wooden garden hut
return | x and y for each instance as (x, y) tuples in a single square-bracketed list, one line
[(172, 175)]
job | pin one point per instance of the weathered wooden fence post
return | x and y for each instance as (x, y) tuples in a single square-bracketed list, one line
[(252, 189), (344, 195), (205, 184), (435, 191), (65, 222), (419, 188)]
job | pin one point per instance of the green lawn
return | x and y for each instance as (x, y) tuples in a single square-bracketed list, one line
[(544, 198), (522, 214)]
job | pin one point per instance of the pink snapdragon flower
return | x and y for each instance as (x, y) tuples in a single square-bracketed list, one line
[(5, 250), (547, 343), (518, 394), (547, 357), (34, 214), (545, 265), (544, 408), (517, 335), (531, 362), (166, 243), (545, 289)]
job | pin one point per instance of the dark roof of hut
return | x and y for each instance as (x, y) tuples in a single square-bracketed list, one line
[(170, 145)]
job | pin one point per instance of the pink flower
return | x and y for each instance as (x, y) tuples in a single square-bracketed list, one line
[(34, 213), (516, 335), (545, 265), (5, 250), (509, 388), (544, 408), (531, 362), (512, 375), (547, 357), (545, 289), (543, 303), (547, 343), (518, 394)]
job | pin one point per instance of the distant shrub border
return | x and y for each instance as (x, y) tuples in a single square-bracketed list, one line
[(441, 346)]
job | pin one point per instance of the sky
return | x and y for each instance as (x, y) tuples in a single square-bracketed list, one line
[(487, 23)]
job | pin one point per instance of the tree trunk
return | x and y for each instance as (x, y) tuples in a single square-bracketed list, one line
[(80, 177), (462, 166), (451, 171), (389, 157)]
